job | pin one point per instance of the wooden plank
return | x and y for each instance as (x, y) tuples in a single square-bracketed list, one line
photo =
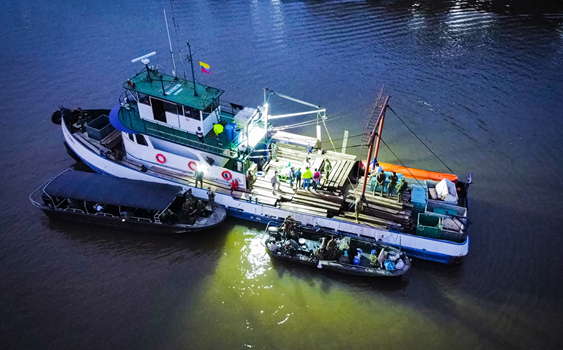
[(303, 209), (363, 222), (87, 143), (317, 195), (308, 203), (112, 139)]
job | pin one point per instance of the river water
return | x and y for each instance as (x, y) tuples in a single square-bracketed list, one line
[(479, 82)]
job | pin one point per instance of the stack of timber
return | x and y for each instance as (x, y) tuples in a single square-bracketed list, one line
[(382, 210)]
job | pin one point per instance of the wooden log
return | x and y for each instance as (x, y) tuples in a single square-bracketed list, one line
[(351, 218), (303, 209)]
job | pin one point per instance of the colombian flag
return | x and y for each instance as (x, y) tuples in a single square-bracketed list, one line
[(204, 67)]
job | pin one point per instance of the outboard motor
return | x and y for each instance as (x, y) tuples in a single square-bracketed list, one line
[(57, 116)]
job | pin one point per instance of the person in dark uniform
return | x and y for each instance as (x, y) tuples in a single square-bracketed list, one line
[(393, 178), (210, 198), (198, 177), (401, 188), (380, 181)]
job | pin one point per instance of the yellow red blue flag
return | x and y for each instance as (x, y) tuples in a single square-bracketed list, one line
[(204, 67)]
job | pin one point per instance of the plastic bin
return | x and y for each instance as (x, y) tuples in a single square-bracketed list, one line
[(230, 131), (99, 127), (429, 226)]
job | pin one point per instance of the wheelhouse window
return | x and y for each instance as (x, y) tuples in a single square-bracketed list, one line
[(131, 137), (191, 112), (212, 106), (144, 99), (171, 107)]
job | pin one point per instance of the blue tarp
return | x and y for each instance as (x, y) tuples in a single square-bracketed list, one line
[(112, 190)]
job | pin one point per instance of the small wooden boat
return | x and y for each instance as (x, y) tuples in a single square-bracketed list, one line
[(327, 249), (124, 203)]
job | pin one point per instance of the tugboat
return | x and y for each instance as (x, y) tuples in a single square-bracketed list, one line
[(168, 129), (123, 203), (334, 251)]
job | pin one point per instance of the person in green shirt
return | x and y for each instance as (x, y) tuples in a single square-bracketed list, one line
[(401, 188), (393, 178), (307, 176)]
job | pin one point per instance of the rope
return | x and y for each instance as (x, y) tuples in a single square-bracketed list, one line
[(435, 155), (400, 161)]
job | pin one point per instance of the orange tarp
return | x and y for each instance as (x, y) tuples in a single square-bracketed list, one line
[(418, 173)]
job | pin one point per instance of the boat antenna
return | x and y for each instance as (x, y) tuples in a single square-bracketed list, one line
[(145, 60), (178, 39), (192, 64), (170, 43)]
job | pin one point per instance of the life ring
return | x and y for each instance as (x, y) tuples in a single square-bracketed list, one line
[(160, 158), (226, 175), (192, 165)]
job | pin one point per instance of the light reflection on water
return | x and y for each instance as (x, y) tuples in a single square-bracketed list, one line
[(253, 301)]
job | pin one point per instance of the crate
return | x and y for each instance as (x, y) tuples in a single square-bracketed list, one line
[(99, 128), (418, 195), (429, 226)]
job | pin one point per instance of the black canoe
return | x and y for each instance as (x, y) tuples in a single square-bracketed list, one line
[(123, 203)]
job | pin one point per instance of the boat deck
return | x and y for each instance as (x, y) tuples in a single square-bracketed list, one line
[(334, 198)]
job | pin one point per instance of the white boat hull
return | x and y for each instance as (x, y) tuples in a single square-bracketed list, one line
[(415, 246)]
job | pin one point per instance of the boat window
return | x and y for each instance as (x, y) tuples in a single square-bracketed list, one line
[(131, 137), (144, 99), (171, 107), (213, 106), (141, 140), (205, 115), (191, 112)]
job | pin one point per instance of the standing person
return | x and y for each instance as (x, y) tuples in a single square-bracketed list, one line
[(218, 129), (198, 177), (187, 209), (393, 178), (291, 176), (298, 178), (307, 175), (358, 207), (199, 134), (234, 186), (275, 182), (380, 177), (316, 179), (401, 188), (210, 198), (327, 169), (249, 180), (307, 163)]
